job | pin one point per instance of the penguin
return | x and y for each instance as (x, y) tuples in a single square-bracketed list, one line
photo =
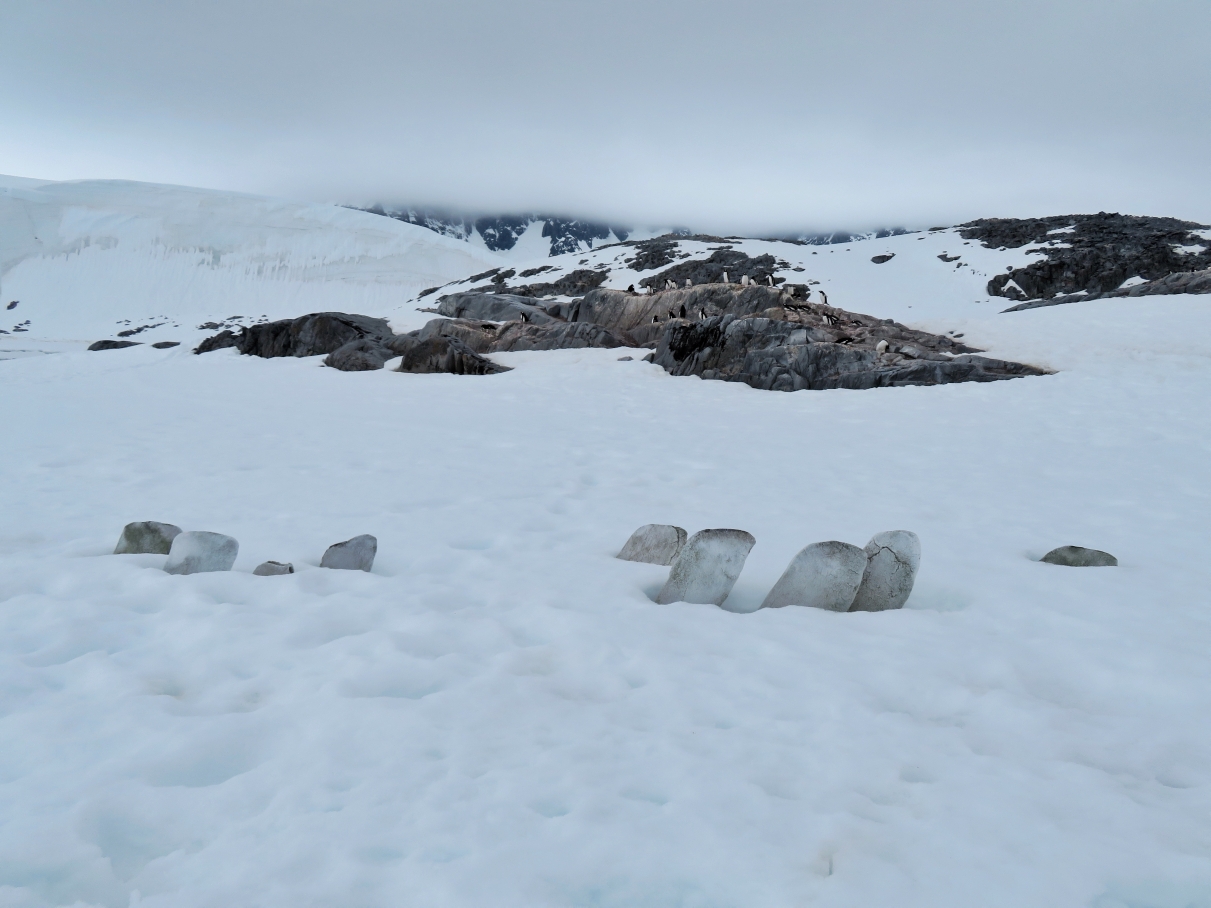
[(631, 288), (725, 280), (683, 310), (770, 278), (824, 296), (688, 283)]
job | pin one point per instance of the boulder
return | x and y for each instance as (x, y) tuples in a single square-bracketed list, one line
[(881, 259), (892, 561), (707, 567), (146, 537), (557, 336), (478, 335), (1077, 556), (655, 543), (492, 307), (220, 341), (362, 355), (165, 345), (823, 575), (198, 552), (356, 554), (441, 354), (273, 569), (112, 345), (307, 335)]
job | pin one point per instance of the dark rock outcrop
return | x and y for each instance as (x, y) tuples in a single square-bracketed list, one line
[(557, 336), (496, 307), (362, 355), (440, 353), (1089, 256), (308, 335), (112, 344), (789, 347), (711, 270)]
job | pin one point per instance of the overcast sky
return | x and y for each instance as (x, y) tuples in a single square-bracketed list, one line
[(754, 115)]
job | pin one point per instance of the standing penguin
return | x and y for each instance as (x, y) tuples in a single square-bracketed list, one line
[(725, 280), (683, 310)]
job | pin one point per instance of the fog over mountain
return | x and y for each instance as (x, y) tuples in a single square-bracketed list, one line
[(764, 119)]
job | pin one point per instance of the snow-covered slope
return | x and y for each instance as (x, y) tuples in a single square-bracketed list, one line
[(499, 714), (84, 260)]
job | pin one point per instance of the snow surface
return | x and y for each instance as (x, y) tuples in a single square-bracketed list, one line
[(500, 715), (87, 259)]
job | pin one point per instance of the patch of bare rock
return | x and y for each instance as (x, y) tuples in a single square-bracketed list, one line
[(769, 337)]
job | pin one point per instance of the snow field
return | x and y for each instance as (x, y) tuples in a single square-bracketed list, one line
[(88, 259), (500, 715)]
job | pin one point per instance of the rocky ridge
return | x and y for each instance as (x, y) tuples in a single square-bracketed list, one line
[(1097, 256), (771, 338)]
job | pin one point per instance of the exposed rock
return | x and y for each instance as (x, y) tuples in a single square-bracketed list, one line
[(646, 316), (308, 335), (710, 270), (880, 259), (273, 569), (164, 345), (891, 568), (793, 347), (478, 335), (557, 336), (356, 554), (1182, 282), (1076, 556), (198, 552), (654, 253), (823, 575), (707, 567), (362, 355), (574, 283), (1093, 254), (220, 341), (112, 344), (146, 537), (654, 543), (495, 307), (439, 353)]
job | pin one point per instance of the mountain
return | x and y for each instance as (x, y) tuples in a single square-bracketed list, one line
[(564, 235)]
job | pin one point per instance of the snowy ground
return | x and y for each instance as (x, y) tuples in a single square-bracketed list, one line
[(86, 260), (499, 715)]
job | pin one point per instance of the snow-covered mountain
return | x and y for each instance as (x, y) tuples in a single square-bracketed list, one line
[(524, 236), (89, 258)]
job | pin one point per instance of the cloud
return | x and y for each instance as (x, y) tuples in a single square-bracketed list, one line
[(763, 115)]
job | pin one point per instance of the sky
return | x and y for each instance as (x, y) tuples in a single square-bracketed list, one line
[(753, 116)]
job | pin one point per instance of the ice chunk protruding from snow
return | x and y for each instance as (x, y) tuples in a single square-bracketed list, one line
[(655, 543), (823, 575), (199, 552), (146, 537), (892, 561), (356, 554), (707, 567)]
